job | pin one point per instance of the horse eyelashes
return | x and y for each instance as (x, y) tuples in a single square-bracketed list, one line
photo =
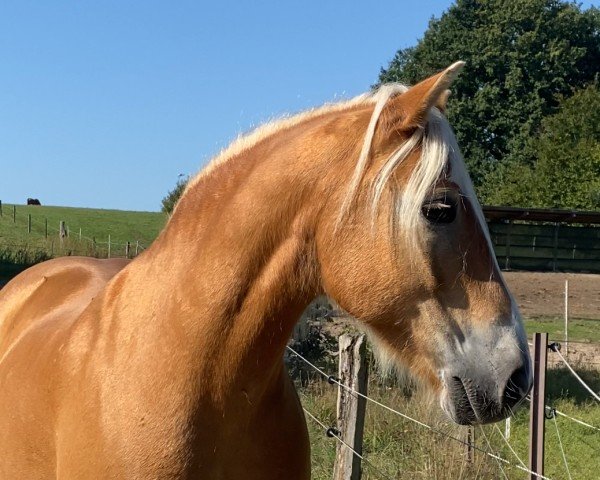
[(440, 211)]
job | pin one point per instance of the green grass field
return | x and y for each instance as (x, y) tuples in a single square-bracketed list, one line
[(580, 329), (121, 225), (85, 225), (89, 230)]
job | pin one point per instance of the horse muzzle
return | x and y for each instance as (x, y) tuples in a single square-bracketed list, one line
[(486, 384)]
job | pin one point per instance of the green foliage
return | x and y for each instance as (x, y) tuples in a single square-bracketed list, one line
[(567, 170), (522, 57), (169, 202), (568, 167)]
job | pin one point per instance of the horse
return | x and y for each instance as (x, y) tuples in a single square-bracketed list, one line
[(171, 365)]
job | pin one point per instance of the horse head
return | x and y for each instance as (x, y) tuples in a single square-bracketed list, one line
[(403, 246)]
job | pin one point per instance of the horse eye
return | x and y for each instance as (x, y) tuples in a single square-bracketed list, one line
[(441, 210)]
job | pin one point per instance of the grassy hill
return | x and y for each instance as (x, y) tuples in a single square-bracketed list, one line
[(89, 232), (121, 225)]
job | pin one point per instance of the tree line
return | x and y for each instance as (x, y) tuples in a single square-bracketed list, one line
[(525, 108)]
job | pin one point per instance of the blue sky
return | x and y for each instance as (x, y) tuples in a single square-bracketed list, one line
[(103, 104)]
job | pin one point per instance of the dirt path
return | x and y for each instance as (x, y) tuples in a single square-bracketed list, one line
[(544, 293)]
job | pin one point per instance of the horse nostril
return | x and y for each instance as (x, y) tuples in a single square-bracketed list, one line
[(517, 387)]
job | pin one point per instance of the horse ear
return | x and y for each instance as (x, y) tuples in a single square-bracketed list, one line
[(409, 110), (443, 100)]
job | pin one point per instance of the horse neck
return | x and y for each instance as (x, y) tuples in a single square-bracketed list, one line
[(239, 262)]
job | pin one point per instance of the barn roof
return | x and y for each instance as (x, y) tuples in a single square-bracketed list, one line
[(496, 214)]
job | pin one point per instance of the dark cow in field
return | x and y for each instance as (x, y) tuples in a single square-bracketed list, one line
[(33, 201)]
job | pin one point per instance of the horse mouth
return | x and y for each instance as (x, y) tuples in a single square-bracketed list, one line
[(466, 404), (463, 411), (471, 405)]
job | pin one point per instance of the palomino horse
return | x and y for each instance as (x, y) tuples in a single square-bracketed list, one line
[(170, 366)]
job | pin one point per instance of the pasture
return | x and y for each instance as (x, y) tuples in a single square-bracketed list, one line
[(395, 447), (122, 225), (88, 232)]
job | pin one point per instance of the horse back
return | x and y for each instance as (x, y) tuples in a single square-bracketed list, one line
[(62, 288)]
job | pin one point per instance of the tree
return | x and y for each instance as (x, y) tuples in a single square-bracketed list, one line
[(522, 57), (169, 202), (567, 171)]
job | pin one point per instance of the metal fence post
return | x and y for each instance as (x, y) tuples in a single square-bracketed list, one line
[(538, 405)]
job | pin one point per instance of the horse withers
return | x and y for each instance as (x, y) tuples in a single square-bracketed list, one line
[(171, 366)]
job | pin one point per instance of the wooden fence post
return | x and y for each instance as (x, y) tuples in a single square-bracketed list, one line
[(62, 230), (137, 246), (109, 246), (127, 247), (14, 214), (538, 405), (29, 223), (353, 372)]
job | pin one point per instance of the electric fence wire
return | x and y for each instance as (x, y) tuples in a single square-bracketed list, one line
[(509, 446), (560, 444), (490, 447), (332, 379), (562, 414), (585, 385), (581, 422), (329, 431)]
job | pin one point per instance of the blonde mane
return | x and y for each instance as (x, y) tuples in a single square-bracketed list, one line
[(245, 141), (438, 149)]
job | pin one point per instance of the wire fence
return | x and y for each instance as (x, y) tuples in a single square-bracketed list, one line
[(501, 461), (333, 433)]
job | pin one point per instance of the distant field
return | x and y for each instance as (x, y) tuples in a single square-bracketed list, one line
[(121, 225), (89, 231)]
